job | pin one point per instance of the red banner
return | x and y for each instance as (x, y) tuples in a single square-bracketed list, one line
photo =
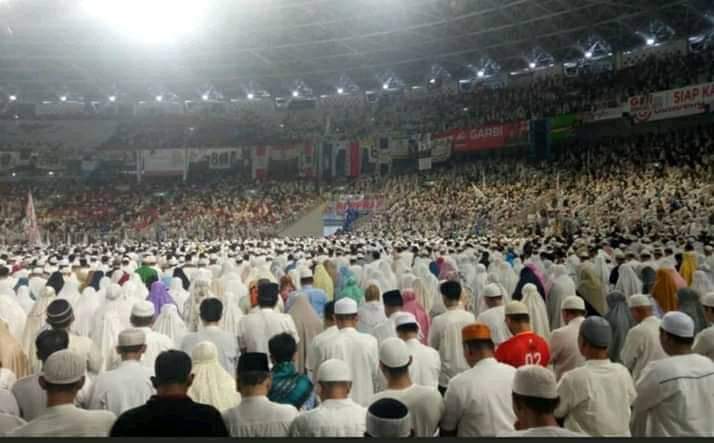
[(355, 157), (490, 137)]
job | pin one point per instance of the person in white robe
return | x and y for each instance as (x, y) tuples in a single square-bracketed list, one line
[(595, 398), (562, 288), (11, 312), (426, 363), (129, 385), (170, 324), (36, 282), (212, 384), (256, 415), (60, 315), (360, 351), (9, 423), (478, 401), (537, 310), (178, 293), (702, 283), (7, 378), (62, 377), (445, 333), (70, 292), (371, 313), (675, 395), (109, 320), (84, 310), (535, 397), (232, 315), (642, 344), (8, 403), (564, 349), (258, 327), (36, 320), (338, 415), (494, 313), (210, 312), (704, 341), (24, 299), (316, 347), (425, 404), (142, 318), (393, 305)]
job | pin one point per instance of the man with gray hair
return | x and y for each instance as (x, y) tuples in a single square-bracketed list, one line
[(595, 398), (62, 377)]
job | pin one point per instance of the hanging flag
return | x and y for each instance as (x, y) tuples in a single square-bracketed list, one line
[(32, 230), (424, 152), (354, 159)]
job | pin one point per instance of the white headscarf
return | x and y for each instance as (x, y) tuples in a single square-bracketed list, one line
[(24, 299), (170, 323), (36, 320), (537, 310), (232, 314), (627, 281), (563, 287), (109, 320), (702, 283), (70, 292), (178, 293), (12, 313), (87, 305), (212, 384)]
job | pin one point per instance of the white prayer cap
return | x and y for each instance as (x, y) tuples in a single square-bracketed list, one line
[(573, 303), (149, 259), (535, 381), (619, 253), (131, 337), (640, 300), (64, 367), (405, 318), (334, 370), (492, 290), (143, 308), (679, 324), (305, 272), (515, 308), (393, 353), (708, 300), (388, 418), (345, 306), (172, 261)]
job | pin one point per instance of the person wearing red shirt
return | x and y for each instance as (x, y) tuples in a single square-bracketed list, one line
[(525, 347)]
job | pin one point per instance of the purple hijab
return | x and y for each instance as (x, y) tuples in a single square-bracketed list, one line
[(159, 296)]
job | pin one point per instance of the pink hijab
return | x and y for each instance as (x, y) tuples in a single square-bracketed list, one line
[(412, 306)]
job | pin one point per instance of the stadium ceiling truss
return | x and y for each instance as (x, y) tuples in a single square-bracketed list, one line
[(277, 42)]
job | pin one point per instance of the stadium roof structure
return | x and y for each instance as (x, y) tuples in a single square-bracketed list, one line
[(53, 47)]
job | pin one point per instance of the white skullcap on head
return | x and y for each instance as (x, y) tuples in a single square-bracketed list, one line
[(334, 370), (113, 291), (573, 303), (492, 290), (640, 300), (143, 308), (393, 353), (405, 318), (345, 306), (708, 300), (679, 324), (64, 367), (515, 308), (388, 418), (131, 337), (535, 381)]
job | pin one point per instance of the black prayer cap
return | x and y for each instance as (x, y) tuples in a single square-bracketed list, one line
[(59, 312), (393, 298)]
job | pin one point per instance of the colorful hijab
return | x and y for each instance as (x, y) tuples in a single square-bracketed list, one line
[(620, 319), (159, 296), (664, 290), (412, 305)]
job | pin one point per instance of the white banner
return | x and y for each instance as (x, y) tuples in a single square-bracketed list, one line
[(603, 114), (673, 103), (164, 161)]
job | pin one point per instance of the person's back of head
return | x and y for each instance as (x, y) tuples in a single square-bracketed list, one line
[(372, 293), (329, 314), (267, 294), (63, 375), (173, 372), (594, 337), (60, 314), (388, 418), (282, 348), (535, 396), (253, 374), (211, 310), (51, 341), (451, 292)]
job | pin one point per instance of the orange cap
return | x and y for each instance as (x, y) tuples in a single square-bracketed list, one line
[(476, 331)]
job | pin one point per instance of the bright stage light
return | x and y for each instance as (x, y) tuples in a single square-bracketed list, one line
[(480, 74), (385, 86), (63, 98), (295, 93), (650, 41), (204, 97), (159, 98), (340, 91), (153, 21), (112, 98), (13, 98), (432, 81), (250, 96), (588, 54), (532, 65)]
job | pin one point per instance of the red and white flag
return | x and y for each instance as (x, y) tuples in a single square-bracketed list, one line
[(32, 230)]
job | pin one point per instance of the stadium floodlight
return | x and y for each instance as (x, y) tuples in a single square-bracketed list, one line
[(588, 54), (112, 98), (251, 96), (650, 41), (432, 81), (385, 86), (63, 98), (480, 73), (340, 91), (204, 97), (14, 174), (51, 173), (12, 98), (296, 93), (466, 109), (159, 98), (532, 65)]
